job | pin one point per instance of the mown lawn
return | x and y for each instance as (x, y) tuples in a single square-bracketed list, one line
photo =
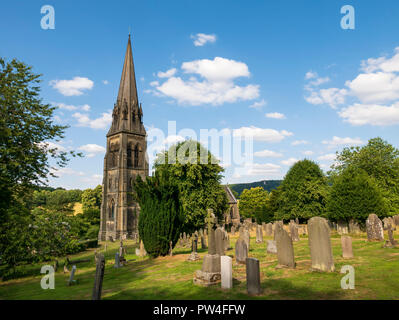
[(376, 276)]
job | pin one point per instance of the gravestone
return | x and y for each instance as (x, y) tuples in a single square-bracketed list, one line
[(241, 251), (285, 249), (342, 228), (391, 242), (269, 229), (259, 234), (294, 231), (203, 242), (117, 261), (346, 243), (210, 272), (388, 223), (71, 276), (226, 241), (227, 272), (194, 254), (271, 246), (354, 227), (320, 245), (233, 230), (170, 248), (253, 276), (219, 236), (374, 229), (244, 234), (396, 220), (98, 280)]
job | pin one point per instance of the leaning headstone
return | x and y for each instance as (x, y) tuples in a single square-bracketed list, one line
[(342, 228), (294, 231), (241, 251), (210, 272), (227, 272), (117, 260), (271, 246), (320, 245), (285, 249), (253, 276), (219, 237), (71, 276), (98, 280), (375, 231), (259, 234), (346, 242)]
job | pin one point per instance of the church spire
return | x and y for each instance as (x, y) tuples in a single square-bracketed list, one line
[(127, 86)]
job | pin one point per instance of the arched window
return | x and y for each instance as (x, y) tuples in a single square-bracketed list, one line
[(112, 210), (129, 156), (136, 156)]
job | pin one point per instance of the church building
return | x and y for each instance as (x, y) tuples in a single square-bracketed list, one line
[(125, 158)]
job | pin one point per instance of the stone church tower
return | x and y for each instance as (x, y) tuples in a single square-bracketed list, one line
[(125, 158)]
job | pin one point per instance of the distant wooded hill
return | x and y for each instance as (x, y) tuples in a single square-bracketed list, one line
[(265, 184)]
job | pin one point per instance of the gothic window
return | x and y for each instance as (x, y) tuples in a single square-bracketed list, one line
[(112, 210), (136, 156), (129, 156)]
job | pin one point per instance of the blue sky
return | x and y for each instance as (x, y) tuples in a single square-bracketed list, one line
[(284, 71)]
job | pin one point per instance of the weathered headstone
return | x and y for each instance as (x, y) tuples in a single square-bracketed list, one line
[(294, 231), (244, 234), (98, 280), (194, 254), (320, 245), (210, 272), (227, 272), (233, 230), (259, 234), (375, 231), (285, 249), (241, 251), (271, 246), (219, 237), (226, 241), (391, 242), (253, 276), (71, 276), (396, 220), (346, 242), (269, 229)]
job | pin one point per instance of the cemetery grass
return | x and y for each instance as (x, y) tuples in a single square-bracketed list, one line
[(164, 278)]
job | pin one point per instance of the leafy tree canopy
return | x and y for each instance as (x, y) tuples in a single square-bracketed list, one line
[(252, 200)]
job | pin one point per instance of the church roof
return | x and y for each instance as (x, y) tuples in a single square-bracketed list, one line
[(127, 86), (230, 196)]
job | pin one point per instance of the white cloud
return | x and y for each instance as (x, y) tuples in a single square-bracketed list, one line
[(47, 145), (275, 115), (102, 122), (105, 82), (64, 106), (376, 115), (218, 86), (307, 153), (201, 39), (267, 154), (60, 172), (94, 179), (327, 157), (310, 75), (167, 74), (74, 87), (172, 139), (299, 142), (258, 104), (260, 134), (337, 141), (289, 162), (332, 96), (92, 149), (154, 83)]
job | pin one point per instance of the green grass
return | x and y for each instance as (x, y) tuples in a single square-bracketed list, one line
[(376, 276)]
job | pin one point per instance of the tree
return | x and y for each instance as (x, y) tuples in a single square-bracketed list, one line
[(252, 200), (91, 198), (160, 219), (380, 160), (303, 192), (198, 175), (355, 195), (25, 126)]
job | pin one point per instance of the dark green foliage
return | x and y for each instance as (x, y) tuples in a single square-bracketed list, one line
[(91, 198), (160, 219), (380, 160), (355, 195), (268, 185), (303, 192), (198, 177)]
